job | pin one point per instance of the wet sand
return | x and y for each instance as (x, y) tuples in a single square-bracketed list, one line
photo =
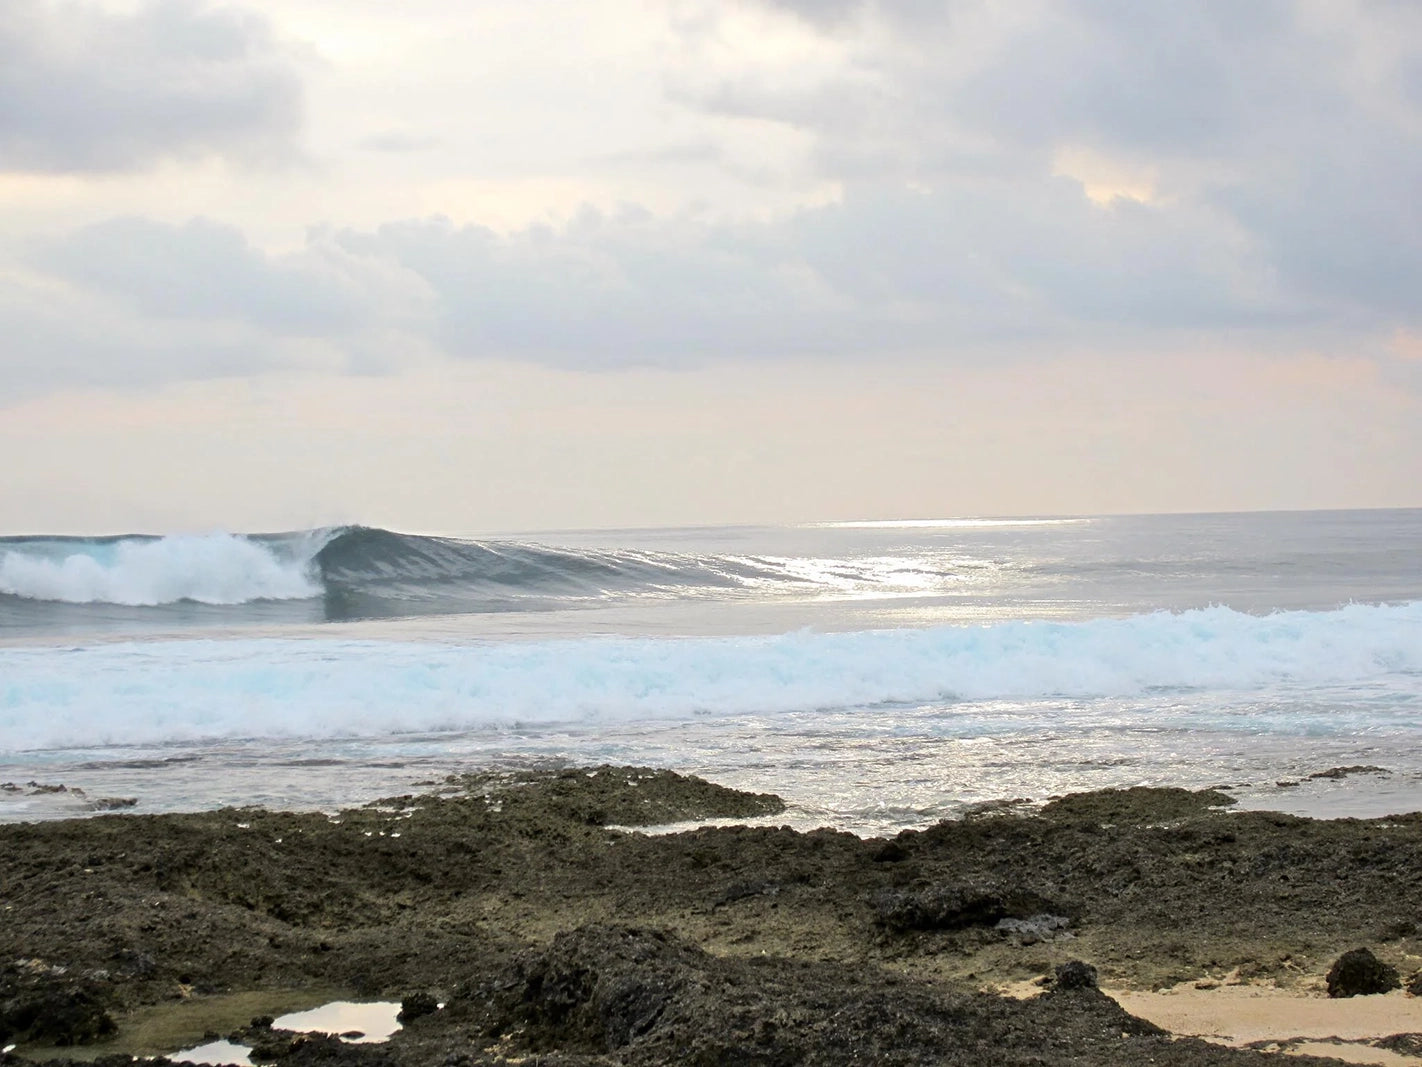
[(547, 928)]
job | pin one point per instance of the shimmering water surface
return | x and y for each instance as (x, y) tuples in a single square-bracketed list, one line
[(875, 674)]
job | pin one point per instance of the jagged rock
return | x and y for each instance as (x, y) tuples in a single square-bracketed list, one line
[(44, 1003), (324, 1050), (1359, 973), (417, 1005), (1138, 805), (950, 907), (57, 1016), (1344, 772), (1076, 975), (642, 997)]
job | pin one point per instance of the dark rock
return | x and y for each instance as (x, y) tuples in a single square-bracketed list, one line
[(417, 1005), (597, 987), (1344, 772), (890, 852), (1406, 1044), (742, 890), (1359, 973), (1031, 930), (135, 964), (113, 803), (642, 997), (1076, 975), (1395, 931), (621, 796), (47, 1004), (1137, 806), (324, 1050), (988, 809), (1414, 983), (59, 1017), (948, 907), (272, 1047)]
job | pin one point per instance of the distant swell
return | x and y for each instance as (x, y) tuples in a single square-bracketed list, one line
[(360, 572), (112, 694)]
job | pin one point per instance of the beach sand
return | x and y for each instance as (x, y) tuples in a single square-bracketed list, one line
[(1260, 1015)]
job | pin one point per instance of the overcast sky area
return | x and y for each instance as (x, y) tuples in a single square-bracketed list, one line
[(457, 267)]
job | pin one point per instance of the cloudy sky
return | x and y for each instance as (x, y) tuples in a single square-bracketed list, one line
[(451, 266)]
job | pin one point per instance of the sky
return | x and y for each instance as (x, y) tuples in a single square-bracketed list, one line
[(454, 267)]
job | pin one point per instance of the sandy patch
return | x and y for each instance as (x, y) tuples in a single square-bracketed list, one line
[(1249, 1015)]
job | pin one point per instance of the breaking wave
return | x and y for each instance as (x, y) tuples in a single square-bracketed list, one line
[(359, 571), (214, 568), (274, 688)]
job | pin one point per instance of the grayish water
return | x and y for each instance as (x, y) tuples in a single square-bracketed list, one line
[(876, 674)]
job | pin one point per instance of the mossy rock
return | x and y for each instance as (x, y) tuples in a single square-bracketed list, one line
[(1137, 806), (616, 796)]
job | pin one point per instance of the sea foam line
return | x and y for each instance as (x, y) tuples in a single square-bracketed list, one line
[(155, 692)]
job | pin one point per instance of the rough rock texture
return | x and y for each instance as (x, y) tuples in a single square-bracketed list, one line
[(956, 907), (1076, 975), (614, 796), (645, 997), (1136, 805), (549, 933), (416, 1006), (43, 1003), (1359, 973)]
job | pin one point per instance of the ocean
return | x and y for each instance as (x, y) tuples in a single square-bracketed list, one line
[(878, 675)]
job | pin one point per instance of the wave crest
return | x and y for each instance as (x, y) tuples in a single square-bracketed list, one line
[(365, 572), (216, 568)]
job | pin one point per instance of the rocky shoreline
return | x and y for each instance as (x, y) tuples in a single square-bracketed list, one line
[(551, 933)]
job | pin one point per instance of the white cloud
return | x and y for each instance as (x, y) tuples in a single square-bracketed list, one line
[(83, 89), (1092, 173)]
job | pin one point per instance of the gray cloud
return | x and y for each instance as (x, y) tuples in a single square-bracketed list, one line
[(970, 269), (134, 301), (1286, 139), (1284, 214), (836, 15), (85, 90), (57, 339), (203, 270)]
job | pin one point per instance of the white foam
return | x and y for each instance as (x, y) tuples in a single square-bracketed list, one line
[(143, 693), (216, 568)]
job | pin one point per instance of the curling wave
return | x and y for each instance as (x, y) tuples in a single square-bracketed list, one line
[(357, 571)]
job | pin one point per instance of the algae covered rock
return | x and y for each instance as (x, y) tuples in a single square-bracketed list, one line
[(1138, 806), (957, 907), (1076, 975), (1360, 973), (44, 1004), (614, 796), (417, 1005)]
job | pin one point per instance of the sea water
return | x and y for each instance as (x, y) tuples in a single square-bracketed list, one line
[(876, 674)]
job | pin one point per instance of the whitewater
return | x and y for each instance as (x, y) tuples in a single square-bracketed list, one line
[(878, 674)]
